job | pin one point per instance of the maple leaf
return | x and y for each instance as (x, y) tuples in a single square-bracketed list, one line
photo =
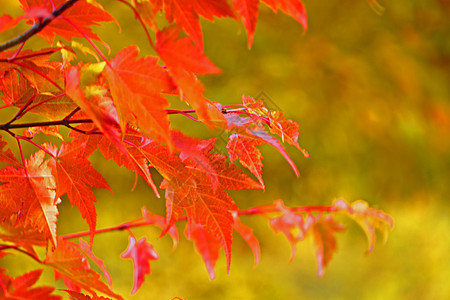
[(83, 14), (161, 222), (14, 229), (324, 230), (245, 126), (184, 61), (244, 149), (181, 53), (247, 234), (7, 156), (68, 261), (212, 209), (367, 218), (13, 86), (88, 252), (144, 80), (131, 157), (186, 14), (75, 175), (189, 188), (206, 244), (7, 22), (286, 129), (146, 12), (30, 193), (292, 225), (96, 105), (48, 130), (248, 11), (80, 296), (22, 287), (35, 67), (141, 253), (294, 8), (193, 154)]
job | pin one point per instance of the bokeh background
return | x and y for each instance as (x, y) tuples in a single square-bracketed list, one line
[(370, 89)]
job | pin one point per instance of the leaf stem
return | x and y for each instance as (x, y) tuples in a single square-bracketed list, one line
[(24, 138), (16, 247), (86, 37), (138, 16), (20, 113), (38, 72)]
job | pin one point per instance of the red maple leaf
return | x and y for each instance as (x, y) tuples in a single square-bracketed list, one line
[(7, 22), (22, 76), (80, 296), (246, 126), (248, 11), (185, 61), (28, 195), (75, 176), (141, 253), (206, 244), (203, 204), (145, 80), (294, 8), (69, 262), (89, 253), (189, 187), (83, 14), (22, 287), (186, 14), (161, 222), (286, 129), (7, 156), (132, 156), (324, 230), (93, 101), (292, 225), (244, 149), (247, 234)]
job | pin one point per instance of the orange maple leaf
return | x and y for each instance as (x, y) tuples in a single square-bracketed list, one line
[(83, 14)]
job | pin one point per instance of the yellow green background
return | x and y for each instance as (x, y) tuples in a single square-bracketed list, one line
[(370, 90)]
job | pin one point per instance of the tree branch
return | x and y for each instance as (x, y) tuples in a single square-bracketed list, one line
[(7, 127), (251, 211), (37, 27)]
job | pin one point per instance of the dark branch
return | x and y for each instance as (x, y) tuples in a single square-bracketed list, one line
[(37, 27), (7, 127)]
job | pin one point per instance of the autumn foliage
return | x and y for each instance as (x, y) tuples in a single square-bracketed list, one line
[(118, 106)]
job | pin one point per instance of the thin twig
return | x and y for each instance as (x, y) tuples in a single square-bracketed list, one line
[(43, 102), (24, 138), (20, 113), (15, 247), (251, 211), (38, 72), (138, 16), (66, 118), (86, 37)]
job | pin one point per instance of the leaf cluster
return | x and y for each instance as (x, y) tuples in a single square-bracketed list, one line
[(118, 106)]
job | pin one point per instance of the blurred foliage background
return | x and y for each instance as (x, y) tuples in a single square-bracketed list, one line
[(370, 91)]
